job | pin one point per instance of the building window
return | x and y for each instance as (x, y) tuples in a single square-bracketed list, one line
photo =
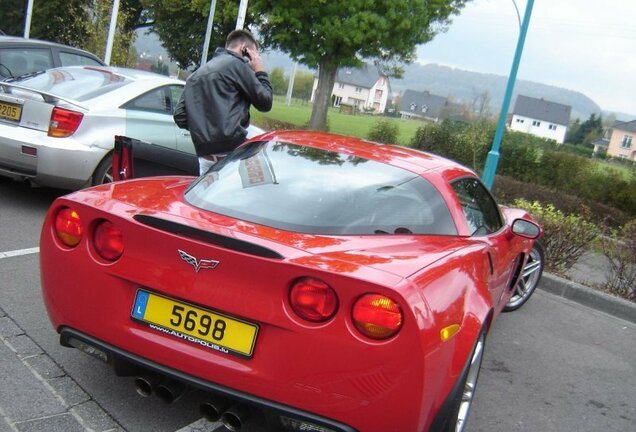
[(424, 108), (552, 126), (358, 90), (341, 86), (520, 120), (536, 123), (413, 106), (627, 141), (378, 94), (337, 100)]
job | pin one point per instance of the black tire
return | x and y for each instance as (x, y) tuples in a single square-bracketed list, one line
[(103, 172), (463, 399), (529, 279)]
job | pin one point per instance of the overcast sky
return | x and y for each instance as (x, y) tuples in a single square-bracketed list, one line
[(583, 45)]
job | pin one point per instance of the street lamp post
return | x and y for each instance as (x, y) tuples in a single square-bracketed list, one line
[(493, 155), (208, 33)]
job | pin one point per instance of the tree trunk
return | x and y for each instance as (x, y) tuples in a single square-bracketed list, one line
[(326, 79)]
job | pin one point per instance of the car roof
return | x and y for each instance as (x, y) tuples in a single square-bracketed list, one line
[(20, 41), (132, 74), (405, 157)]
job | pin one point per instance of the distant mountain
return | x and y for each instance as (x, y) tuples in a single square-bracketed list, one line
[(466, 86)]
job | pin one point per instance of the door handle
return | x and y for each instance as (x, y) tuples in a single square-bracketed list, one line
[(185, 133)]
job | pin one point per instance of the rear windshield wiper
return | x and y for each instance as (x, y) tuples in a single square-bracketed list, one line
[(24, 76)]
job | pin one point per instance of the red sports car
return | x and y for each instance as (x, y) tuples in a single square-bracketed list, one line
[(312, 281)]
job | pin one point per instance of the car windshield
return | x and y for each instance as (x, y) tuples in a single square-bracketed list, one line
[(77, 83), (314, 191)]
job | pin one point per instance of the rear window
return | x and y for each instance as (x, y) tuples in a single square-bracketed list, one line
[(19, 61), (76, 83), (72, 59), (314, 191)]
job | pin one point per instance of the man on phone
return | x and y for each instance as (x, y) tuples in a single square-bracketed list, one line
[(215, 104)]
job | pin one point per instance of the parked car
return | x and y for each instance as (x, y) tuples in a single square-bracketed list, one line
[(308, 281), (19, 56), (57, 127)]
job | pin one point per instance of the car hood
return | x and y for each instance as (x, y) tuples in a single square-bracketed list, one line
[(162, 198)]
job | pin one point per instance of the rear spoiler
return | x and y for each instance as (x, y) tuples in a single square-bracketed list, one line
[(48, 97), (123, 158)]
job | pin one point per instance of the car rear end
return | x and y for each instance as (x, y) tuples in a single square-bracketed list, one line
[(306, 339), (48, 130), (280, 279)]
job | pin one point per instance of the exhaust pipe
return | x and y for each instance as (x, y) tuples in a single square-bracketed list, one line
[(234, 418), (170, 390), (145, 384), (213, 408)]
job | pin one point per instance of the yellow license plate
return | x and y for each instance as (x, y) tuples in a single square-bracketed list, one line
[(200, 326), (10, 111)]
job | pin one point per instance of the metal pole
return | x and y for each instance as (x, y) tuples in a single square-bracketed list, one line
[(240, 19), (493, 156), (208, 33), (111, 31), (290, 86), (27, 22)]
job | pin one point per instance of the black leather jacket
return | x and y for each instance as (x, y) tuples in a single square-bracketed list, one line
[(215, 104)]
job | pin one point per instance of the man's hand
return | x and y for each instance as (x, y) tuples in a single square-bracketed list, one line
[(256, 62)]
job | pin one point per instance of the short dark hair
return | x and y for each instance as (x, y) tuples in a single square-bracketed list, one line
[(238, 37)]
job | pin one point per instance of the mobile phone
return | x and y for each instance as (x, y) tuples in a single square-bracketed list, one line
[(245, 53)]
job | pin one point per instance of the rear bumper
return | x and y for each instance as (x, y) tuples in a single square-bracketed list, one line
[(116, 357), (60, 162)]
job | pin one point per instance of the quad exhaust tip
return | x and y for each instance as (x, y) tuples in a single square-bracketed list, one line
[(234, 418), (213, 408), (170, 390), (145, 384)]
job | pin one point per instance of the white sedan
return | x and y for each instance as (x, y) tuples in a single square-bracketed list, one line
[(57, 127)]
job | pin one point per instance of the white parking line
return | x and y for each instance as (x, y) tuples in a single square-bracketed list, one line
[(19, 252)]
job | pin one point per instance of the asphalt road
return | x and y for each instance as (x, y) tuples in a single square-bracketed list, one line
[(554, 365)]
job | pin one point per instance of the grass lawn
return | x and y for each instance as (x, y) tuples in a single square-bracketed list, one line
[(356, 125)]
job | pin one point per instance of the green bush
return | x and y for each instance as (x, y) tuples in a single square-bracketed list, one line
[(619, 247), (533, 160), (384, 131), (566, 237), (465, 143), (507, 189)]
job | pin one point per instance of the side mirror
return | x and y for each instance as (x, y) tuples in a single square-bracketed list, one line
[(526, 228)]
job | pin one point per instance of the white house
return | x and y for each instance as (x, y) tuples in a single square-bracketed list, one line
[(541, 118), (364, 88)]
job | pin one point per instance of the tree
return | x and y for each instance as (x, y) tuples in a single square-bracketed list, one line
[(328, 34), (84, 24), (588, 131), (278, 80), (303, 85), (123, 53), (181, 25), (70, 27)]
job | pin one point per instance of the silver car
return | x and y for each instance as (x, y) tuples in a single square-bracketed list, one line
[(57, 127)]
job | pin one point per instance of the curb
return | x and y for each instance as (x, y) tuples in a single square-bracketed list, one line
[(590, 297)]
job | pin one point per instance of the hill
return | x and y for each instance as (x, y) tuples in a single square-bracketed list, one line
[(466, 86)]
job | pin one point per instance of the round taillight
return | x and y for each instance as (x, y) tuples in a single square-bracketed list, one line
[(313, 300), (377, 316), (108, 241), (68, 227)]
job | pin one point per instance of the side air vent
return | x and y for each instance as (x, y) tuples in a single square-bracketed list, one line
[(207, 237)]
